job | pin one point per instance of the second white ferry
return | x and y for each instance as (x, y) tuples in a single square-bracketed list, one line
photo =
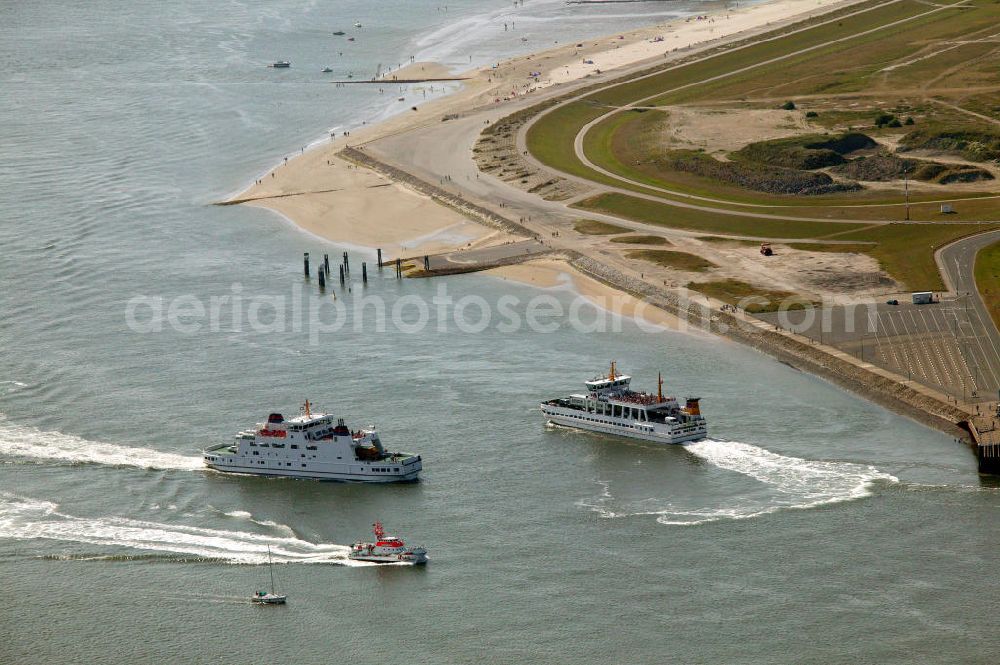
[(612, 407), (310, 445)]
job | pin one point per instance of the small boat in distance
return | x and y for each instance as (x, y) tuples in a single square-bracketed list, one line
[(357, 25), (327, 70), (387, 549), (269, 598), (280, 64), (340, 33), (610, 406)]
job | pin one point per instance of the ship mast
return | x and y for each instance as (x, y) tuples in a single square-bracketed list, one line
[(270, 568), (308, 414), (611, 376), (659, 386)]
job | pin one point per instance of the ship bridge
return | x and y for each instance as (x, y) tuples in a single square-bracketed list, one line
[(612, 383), (605, 385)]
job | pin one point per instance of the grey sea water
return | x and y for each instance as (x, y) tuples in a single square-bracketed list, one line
[(813, 527)]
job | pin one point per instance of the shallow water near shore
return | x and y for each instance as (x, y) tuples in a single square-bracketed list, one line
[(811, 527)]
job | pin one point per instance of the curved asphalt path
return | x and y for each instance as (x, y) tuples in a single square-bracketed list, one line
[(977, 331)]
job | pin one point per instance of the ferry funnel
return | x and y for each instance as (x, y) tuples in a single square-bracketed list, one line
[(692, 406)]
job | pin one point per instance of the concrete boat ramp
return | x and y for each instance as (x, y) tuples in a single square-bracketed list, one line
[(474, 260)]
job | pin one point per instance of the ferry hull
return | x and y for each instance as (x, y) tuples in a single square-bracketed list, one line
[(415, 560), (334, 476), (569, 418)]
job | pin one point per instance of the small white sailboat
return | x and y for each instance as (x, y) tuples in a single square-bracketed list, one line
[(269, 598)]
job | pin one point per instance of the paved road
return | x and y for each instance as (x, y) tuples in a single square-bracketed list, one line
[(977, 332), (486, 256)]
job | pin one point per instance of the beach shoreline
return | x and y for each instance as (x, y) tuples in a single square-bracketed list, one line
[(308, 187)]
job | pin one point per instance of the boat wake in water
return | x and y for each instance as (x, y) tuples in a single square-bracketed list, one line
[(789, 483), (30, 519), (26, 441), (244, 515)]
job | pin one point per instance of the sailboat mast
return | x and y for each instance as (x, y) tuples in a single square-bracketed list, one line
[(270, 567)]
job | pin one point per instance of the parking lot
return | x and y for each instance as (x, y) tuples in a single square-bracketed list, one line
[(944, 345)]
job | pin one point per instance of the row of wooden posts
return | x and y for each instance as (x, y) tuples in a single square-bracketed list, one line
[(345, 268)]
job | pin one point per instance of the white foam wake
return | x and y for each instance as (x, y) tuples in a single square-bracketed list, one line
[(788, 483), (244, 515), (28, 519), (26, 441)]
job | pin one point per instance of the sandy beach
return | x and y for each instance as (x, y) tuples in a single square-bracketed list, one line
[(552, 273), (343, 203)]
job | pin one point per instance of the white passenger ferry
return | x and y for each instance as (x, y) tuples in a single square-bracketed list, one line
[(310, 445), (610, 406)]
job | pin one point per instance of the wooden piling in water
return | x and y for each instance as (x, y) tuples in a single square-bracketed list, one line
[(347, 265), (305, 263), (322, 279), (341, 275), (364, 272), (399, 269), (326, 264), (427, 262), (379, 258)]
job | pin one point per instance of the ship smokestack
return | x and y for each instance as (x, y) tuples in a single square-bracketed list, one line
[(692, 406)]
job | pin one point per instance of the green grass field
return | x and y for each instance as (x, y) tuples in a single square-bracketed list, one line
[(906, 251), (661, 214), (592, 227), (988, 279), (641, 240), (749, 297), (551, 138), (669, 259)]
